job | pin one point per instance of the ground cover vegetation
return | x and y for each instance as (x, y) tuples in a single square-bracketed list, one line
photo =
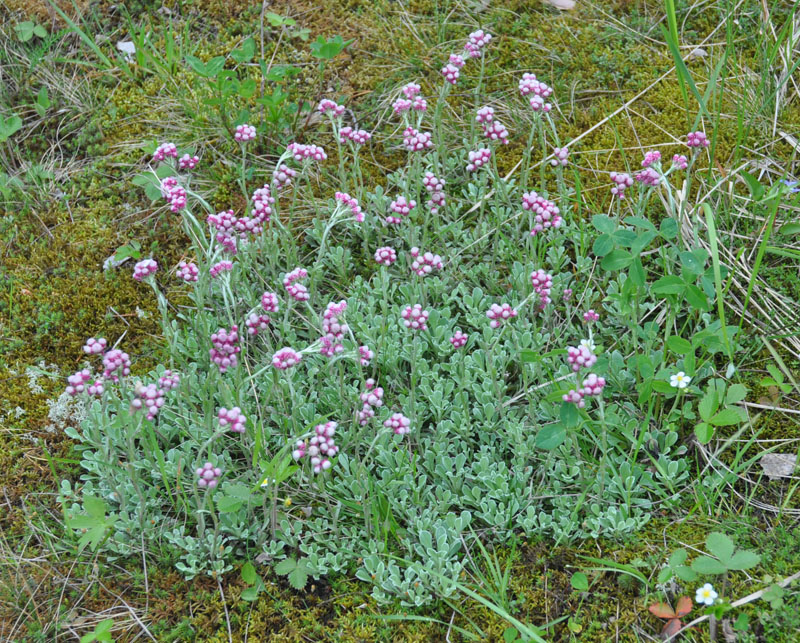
[(400, 321)]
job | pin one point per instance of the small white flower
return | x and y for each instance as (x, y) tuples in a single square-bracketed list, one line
[(705, 595), (588, 344), (681, 380)]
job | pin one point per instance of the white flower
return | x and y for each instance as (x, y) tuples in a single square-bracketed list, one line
[(705, 595), (681, 380), (588, 344)]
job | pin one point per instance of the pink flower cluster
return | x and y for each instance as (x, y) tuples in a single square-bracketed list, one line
[(76, 383), (169, 380), (301, 152), (424, 263), (499, 314), (648, 176), (459, 339), (187, 162), (402, 207), (680, 162), (221, 266), (590, 316), (450, 73), (327, 106), (174, 193), (546, 213), (538, 92), (263, 200), (399, 424), (371, 399), (351, 203), (365, 355), (333, 329), (282, 177), (356, 136), (148, 397), (233, 418), (320, 448), (476, 42), (286, 358), (256, 323), (592, 387), (385, 256), (115, 363), (269, 302), (225, 347), (435, 188), (415, 318), (416, 141), (412, 100), (297, 291), (622, 182), (697, 140), (165, 151), (94, 346), (244, 133), (651, 157), (144, 269), (496, 131), (478, 158), (580, 357), (208, 475), (542, 285), (484, 115), (456, 60), (189, 272), (561, 155)]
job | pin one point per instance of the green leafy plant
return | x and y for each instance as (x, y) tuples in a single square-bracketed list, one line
[(9, 126), (716, 408), (101, 632), (28, 29), (94, 525), (725, 556), (296, 571)]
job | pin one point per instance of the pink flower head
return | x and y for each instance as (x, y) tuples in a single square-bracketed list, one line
[(414, 318), (496, 131), (282, 177), (402, 207), (651, 157), (189, 272), (542, 285), (244, 133), (399, 424), (94, 346), (580, 357), (401, 105), (680, 162), (575, 397), (436, 201), (365, 355), (144, 269), (593, 386), (164, 151), (262, 202), (500, 314), (590, 316), (149, 398), (479, 39), (352, 204), (561, 155), (371, 399), (208, 475), (478, 158), (648, 176), (538, 104), (450, 73), (546, 213), (174, 193), (419, 104), (302, 152), (116, 361), (187, 162), (357, 137), (696, 140), (459, 339), (296, 290), (485, 115), (385, 256), (299, 451), (567, 294), (530, 86), (96, 389), (224, 348), (411, 90), (286, 358), (416, 141), (234, 418), (256, 322), (269, 302), (76, 383), (327, 106), (435, 188), (425, 263), (622, 182), (333, 328), (169, 380), (221, 266), (456, 60), (321, 447)]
